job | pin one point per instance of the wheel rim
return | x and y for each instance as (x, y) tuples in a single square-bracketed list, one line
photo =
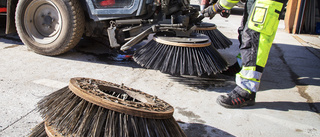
[(43, 21)]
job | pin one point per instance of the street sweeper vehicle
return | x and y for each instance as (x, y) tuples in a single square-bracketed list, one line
[(52, 27)]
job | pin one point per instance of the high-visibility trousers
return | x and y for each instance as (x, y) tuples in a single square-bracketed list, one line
[(256, 34)]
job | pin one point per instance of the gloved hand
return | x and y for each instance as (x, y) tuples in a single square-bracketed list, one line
[(225, 13), (211, 11)]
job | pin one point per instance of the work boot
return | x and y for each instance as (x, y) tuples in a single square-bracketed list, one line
[(237, 98), (232, 70)]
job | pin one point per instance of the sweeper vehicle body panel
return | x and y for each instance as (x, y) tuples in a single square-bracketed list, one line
[(52, 27)]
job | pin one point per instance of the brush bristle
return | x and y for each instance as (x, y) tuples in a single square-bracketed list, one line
[(177, 60), (219, 41), (38, 131), (73, 116)]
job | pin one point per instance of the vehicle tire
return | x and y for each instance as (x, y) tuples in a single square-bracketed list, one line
[(50, 27)]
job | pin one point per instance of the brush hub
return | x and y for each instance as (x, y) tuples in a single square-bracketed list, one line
[(120, 98), (51, 131), (195, 40), (206, 26)]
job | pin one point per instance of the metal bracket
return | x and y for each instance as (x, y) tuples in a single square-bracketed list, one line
[(112, 36)]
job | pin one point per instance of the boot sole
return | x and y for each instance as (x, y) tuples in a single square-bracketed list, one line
[(248, 103)]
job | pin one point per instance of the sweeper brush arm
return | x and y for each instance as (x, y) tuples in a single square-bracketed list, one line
[(170, 20), (137, 39), (179, 30)]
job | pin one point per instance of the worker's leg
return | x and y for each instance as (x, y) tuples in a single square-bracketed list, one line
[(236, 67), (246, 11), (257, 37)]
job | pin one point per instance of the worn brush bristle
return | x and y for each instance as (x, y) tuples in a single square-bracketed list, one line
[(177, 60), (38, 131), (71, 115), (219, 41)]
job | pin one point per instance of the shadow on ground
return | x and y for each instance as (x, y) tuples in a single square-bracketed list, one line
[(217, 83), (295, 67), (287, 106), (89, 50), (10, 38), (202, 130)]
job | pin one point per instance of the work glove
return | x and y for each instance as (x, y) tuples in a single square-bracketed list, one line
[(211, 11), (225, 13)]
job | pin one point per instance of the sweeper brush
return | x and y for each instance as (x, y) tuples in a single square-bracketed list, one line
[(218, 40), (38, 131), (90, 107), (181, 56)]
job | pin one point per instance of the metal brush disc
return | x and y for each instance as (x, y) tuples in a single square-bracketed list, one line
[(120, 98), (206, 26), (195, 40)]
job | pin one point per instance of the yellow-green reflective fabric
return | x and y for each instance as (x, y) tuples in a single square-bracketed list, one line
[(228, 4), (265, 16), (257, 15), (265, 19)]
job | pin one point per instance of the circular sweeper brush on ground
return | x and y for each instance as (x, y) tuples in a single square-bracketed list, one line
[(90, 107), (218, 40), (181, 55)]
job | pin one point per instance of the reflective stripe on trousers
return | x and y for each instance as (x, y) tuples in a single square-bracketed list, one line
[(249, 79), (228, 4)]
